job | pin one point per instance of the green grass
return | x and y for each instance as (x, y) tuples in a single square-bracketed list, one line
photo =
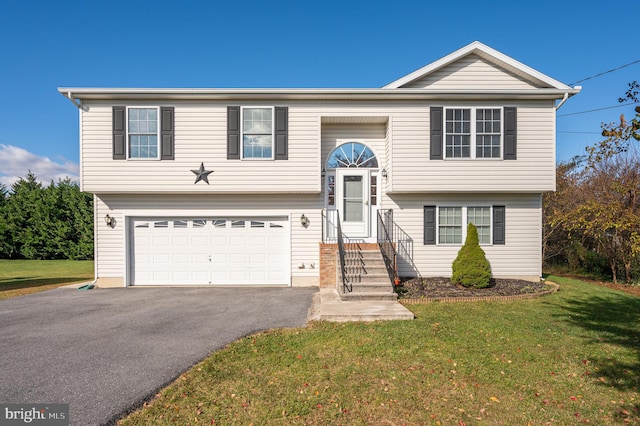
[(568, 358), (20, 277)]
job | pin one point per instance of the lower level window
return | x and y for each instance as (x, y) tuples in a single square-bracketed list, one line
[(452, 224), (481, 218)]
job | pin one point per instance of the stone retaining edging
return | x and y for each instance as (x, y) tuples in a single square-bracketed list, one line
[(426, 300)]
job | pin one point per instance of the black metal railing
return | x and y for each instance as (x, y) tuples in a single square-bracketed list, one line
[(332, 234), (346, 287), (386, 242)]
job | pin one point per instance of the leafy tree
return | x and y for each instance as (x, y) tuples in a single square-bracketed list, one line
[(555, 205), (604, 214), (471, 267), (618, 136)]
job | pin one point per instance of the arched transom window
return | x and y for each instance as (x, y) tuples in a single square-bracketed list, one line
[(352, 154)]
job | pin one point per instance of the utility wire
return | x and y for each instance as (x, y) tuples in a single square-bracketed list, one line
[(606, 72), (586, 133), (594, 110)]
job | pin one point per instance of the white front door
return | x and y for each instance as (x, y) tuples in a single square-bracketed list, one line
[(352, 196)]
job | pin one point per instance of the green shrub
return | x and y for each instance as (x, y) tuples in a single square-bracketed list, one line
[(471, 267)]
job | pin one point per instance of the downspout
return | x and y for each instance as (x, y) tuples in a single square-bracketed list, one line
[(92, 284), (566, 96), (564, 99), (75, 102)]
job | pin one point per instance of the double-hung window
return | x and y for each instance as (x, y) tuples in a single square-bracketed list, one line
[(473, 132), (142, 133), (257, 133), (453, 221), (481, 218), (450, 225)]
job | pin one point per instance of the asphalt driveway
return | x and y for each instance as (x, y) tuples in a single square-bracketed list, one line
[(105, 351)]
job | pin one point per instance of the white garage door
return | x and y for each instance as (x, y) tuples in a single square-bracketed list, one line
[(222, 251)]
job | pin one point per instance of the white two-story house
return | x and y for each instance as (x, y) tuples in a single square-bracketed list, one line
[(243, 186)]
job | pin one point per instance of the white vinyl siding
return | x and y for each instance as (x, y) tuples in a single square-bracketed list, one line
[(471, 72), (110, 242), (533, 171), (520, 256), (200, 136)]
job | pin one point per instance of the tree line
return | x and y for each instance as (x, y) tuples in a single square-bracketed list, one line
[(45, 222), (592, 221)]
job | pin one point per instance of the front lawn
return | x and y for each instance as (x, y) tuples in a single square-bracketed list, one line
[(569, 358), (20, 277)]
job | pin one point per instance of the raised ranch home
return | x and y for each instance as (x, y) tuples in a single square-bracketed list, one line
[(256, 186)]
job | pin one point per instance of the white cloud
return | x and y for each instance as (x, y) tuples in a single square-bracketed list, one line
[(15, 162)]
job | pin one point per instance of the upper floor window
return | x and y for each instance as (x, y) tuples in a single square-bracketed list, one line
[(257, 133), (477, 137), (142, 132)]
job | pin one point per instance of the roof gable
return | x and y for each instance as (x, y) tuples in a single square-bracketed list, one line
[(480, 67)]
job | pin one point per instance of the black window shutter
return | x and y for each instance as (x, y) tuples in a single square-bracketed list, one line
[(510, 133), (281, 133), (233, 132), (498, 225), (167, 133), (429, 225), (119, 136), (436, 133)]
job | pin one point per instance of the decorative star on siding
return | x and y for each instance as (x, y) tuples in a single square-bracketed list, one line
[(202, 174)]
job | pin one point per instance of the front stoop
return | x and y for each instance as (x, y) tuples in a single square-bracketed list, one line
[(327, 306), (367, 273)]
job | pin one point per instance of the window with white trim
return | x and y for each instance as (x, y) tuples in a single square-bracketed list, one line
[(481, 218), (257, 133), (473, 138), (450, 225), (452, 218), (142, 133)]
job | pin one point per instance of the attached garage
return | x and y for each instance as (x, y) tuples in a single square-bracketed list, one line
[(210, 251)]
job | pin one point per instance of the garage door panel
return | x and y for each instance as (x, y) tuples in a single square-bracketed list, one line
[(222, 251), (258, 259), (239, 259), (199, 258), (180, 241)]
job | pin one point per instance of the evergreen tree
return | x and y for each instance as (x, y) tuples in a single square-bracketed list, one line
[(471, 267), (46, 223)]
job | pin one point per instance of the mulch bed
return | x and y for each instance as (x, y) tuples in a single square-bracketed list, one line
[(440, 288)]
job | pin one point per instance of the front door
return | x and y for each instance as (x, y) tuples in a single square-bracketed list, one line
[(353, 201)]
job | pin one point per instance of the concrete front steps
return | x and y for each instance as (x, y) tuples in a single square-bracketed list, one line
[(367, 274), (328, 306)]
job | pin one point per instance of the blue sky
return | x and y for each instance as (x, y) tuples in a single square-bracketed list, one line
[(49, 44)]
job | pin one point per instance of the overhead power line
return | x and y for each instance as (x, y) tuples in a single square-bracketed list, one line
[(594, 110), (585, 133), (605, 72)]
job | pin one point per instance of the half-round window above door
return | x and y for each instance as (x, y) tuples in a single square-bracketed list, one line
[(353, 155)]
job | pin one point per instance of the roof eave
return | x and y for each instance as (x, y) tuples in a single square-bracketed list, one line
[(113, 94)]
